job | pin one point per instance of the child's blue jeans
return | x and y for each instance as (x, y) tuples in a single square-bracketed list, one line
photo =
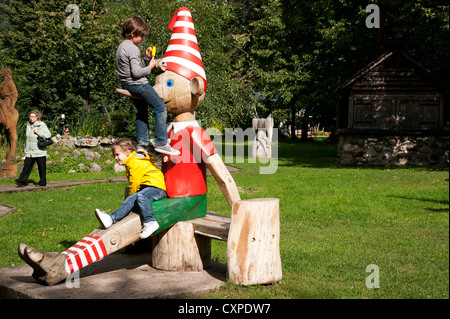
[(159, 111), (143, 200)]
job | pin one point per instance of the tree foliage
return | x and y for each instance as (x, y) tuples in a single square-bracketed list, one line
[(295, 52), (300, 51)]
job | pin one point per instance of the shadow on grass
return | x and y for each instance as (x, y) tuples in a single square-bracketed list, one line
[(434, 201), (308, 154)]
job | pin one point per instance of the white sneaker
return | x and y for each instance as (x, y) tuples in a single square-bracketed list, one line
[(142, 149), (167, 149), (148, 229), (152, 141), (103, 218)]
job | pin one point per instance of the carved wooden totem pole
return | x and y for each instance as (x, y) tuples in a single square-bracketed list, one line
[(181, 83), (8, 121)]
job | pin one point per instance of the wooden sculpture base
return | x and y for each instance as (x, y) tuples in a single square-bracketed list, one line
[(8, 170)]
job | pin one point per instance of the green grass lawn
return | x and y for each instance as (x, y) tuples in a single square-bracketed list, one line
[(335, 221)]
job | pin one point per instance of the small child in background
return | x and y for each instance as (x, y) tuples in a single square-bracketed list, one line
[(146, 183)]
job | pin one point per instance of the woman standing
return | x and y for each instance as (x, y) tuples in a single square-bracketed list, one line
[(34, 152)]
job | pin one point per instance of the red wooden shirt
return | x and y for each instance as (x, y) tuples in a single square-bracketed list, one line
[(185, 174)]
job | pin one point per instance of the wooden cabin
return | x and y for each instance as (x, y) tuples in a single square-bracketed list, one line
[(392, 112)]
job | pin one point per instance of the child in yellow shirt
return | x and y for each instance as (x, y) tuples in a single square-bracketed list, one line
[(146, 185)]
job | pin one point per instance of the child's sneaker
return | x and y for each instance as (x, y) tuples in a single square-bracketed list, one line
[(148, 229), (166, 149), (103, 218), (152, 141), (141, 149)]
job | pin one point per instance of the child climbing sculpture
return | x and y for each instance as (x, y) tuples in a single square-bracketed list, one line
[(182, 87), (132, 74)]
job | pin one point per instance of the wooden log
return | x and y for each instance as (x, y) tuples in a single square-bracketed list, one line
[(213, 226), (51, 268), (176, 249), (253, 254), (124, 233)]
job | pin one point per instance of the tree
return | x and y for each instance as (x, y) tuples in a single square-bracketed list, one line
[(294, 52), (72, 70), (300, 51), (59, 64)]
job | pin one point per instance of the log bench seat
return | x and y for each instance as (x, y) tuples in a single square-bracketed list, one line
[(213, 226), (187, 244)]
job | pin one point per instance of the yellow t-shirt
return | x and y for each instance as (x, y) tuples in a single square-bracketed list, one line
[(141, 170)]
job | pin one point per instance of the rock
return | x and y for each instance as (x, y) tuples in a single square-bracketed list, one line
[(76, 152), (106, 141), (392, 141), (89, 155), (349, 148), (119, 168), (86, 142), (95, 168)]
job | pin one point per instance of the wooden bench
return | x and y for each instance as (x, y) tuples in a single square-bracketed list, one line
[(213, 226), (252, 234), (186, 246)]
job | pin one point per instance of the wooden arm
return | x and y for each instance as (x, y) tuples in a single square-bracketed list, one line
[(223, 177)]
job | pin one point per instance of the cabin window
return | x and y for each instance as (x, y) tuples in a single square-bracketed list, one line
[(394, 112)]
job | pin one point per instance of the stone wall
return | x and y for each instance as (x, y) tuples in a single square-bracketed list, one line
[(393, 149)]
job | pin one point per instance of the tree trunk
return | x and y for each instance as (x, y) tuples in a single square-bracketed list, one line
[(293, 134), (304, 129)]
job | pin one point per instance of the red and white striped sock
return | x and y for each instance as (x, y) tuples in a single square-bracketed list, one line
[(83, 253)]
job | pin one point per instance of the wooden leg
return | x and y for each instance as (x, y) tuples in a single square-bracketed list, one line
[(253, 253), (51, 268), (204, 247), (176, 249)]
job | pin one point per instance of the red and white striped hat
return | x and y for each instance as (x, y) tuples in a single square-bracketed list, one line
[(183, 55)]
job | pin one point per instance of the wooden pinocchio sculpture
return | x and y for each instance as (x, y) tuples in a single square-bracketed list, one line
[(181, 83)]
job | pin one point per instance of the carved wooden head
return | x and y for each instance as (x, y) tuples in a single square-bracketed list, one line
[(183, 84), (178, 93)]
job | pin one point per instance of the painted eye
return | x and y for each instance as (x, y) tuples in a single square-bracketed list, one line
[(170, 83)]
